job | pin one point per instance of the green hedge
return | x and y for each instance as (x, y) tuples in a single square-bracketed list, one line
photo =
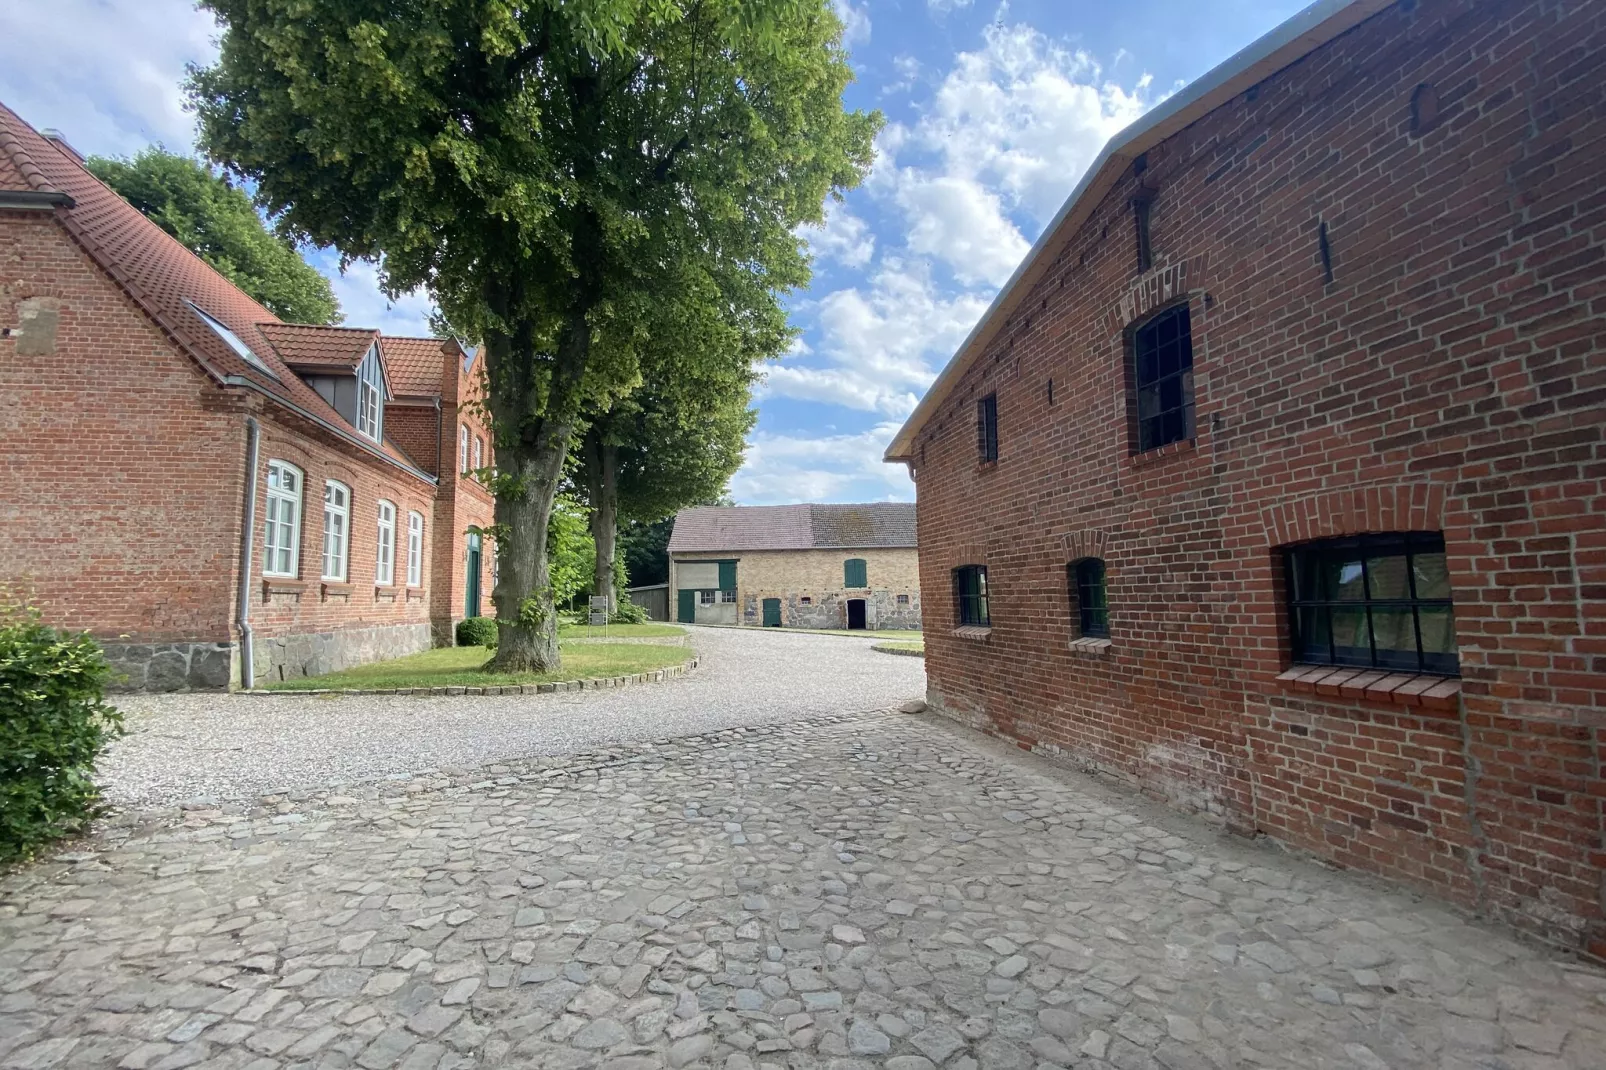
[(477, 631), (53, 725)]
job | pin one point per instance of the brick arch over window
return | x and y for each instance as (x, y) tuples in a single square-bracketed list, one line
[(1082, 544), (1155, 289), (1354, 510)]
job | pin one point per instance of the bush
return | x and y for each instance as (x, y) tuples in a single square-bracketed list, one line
[(53, 725), (477, 631), (627, 612)]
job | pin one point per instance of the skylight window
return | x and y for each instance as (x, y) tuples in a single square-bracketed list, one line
[(233, 340)]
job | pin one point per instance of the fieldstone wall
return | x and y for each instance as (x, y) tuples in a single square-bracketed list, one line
[(286, 657), (169, 666), (830, 610)]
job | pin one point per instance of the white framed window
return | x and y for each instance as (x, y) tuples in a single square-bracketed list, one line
[(462, 448), (479, 453), (281, 543), (336, 529), (371, 395), (385, 555), (415, 549)]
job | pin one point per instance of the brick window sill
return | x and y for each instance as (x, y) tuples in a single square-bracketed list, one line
[(286, 587), (1441, 693), (1097, 648), (384, 593), (415, 594), (1161, 453), (335, 590), (973, 631), (986, 466)]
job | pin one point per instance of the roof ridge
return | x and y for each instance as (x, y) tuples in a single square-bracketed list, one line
[(12, 146)]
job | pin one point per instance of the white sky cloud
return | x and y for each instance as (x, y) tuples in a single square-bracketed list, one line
[(845, 239), (782, 469), (962, 223), (855, 22)]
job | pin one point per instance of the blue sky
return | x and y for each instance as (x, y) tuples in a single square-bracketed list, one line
[(993, 112)]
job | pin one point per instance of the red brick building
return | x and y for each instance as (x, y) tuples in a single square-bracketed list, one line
[(1274, 482), (181, 472)]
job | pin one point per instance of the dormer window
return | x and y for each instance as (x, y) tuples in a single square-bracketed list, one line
[(233, 341), (371, 396)]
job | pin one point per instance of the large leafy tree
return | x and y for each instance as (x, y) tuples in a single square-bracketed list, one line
[(561, 174), (217, 222)]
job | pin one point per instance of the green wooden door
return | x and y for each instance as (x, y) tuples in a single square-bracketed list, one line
[(772, 612), (686, 607), (471, 600)]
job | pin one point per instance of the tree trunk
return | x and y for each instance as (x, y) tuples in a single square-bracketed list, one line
[(602, 470), (530, 455)]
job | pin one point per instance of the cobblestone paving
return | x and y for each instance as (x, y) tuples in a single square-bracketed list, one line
[(859, 891)]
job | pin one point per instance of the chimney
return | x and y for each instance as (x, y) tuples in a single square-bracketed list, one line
[(56, 138)]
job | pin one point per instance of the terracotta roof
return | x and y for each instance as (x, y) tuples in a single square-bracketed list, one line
[(718, 529), (165, 278), (316, 346), (415, 364)]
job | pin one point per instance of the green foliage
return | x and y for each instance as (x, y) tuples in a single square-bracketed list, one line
[(217, 222), (644, 549), (53, 725), (571, 554), (477, 631), (627, 612)]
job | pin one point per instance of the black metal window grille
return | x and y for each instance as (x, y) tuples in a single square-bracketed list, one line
[(987, 428), (1162, 352), (1373, 601), (1092, 601), (970, 586)]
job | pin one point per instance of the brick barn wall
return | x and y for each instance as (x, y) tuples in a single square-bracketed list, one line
[(463, 503), (122, 464), (1451, 376), (134, 467)]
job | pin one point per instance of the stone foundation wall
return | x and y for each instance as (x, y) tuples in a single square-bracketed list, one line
[(286, 657), (170, 666)]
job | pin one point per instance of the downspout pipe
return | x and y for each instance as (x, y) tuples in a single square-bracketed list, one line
[(253, 435)]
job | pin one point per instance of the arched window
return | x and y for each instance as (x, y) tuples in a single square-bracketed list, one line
[(385, 554), (282, 543), (1092, 600), (1374, 602), (336, 529)]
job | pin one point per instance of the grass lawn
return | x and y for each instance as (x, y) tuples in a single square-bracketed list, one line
[(460, 665), (619, 631), (902, 648)]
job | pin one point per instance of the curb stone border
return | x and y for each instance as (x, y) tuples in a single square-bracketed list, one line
[(656, 676), (882, 648)]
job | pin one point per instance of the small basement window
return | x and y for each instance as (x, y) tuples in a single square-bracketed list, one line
[(903, 599), (970, 591), (805, 601), (1373, 601)]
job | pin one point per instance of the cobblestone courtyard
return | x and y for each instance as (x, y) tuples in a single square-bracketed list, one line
[(856, 891)]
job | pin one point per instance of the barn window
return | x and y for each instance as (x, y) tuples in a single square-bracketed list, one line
[(970, 589), (855, 573), (987, 428), (1162, 353), (1092, 601), (1373, 601), (903, 599)]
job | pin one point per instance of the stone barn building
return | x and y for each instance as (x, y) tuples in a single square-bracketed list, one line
[(1274, 481), (218, 496), (796, 566)]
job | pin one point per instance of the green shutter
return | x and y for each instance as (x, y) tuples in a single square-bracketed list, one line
[(727, 575), (855, 573)]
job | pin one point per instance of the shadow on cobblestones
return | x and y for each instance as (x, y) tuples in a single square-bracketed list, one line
[(871, 890)]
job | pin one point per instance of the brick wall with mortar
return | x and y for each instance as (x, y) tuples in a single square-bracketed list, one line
[(462, 503), (133, 462), (792, 575), (1450, 377)]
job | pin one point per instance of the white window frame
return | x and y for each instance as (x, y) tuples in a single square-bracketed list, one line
[(336, 530), (371, 396), (415, 548), (462, 449), (385, 552), (281, 539), (479, 453)]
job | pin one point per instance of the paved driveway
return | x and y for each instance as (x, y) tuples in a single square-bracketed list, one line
[(861, 891), (185, 746)]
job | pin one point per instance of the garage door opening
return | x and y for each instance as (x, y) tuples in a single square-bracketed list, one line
[(856, 614)]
